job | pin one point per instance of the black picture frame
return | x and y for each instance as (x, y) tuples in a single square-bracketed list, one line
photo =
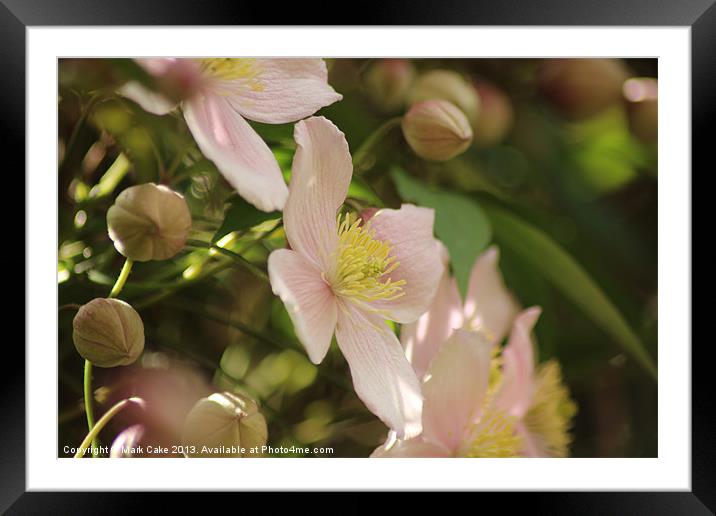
[(17, 15)]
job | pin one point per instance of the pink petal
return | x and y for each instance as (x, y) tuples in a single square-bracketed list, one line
[(382, 376), (157, 65), (238, 152), (489, 304), (288, 90), (321, 174), (150, 101), (409, 231), (515, 394), (412, 448), (455, 387), (308, 299), (423, 338), (127, 442)]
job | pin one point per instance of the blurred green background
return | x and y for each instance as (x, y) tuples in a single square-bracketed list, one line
[(568, 191)]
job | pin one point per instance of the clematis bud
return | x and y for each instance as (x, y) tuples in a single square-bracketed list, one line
[(149, 222), (224, 425), (447, 85), (581, 88), (436, 130), (643, 108), (388, 82), (496, 114), (177, 79), (108, 332)]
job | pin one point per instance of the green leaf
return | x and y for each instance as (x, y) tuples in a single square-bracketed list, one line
[(241, 215), (459, 222), (559, 268)]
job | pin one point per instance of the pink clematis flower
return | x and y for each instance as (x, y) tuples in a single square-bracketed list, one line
[(489, 307), (344, 276), (461, 417), (478, 404), (535, 395), (222, 93)]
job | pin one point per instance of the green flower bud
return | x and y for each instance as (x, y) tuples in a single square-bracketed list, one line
[(149, 222), (388, 82), (108, 332), (436, 130), (581, 88), (447, 85), (496, 114), (224, 425)]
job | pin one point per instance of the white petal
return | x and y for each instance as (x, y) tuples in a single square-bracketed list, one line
[(382, 376), (237, 151), (308, 299), (455, 387)]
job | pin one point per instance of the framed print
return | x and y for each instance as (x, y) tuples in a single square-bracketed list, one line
[(446, 251)]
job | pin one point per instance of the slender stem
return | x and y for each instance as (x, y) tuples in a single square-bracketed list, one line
[(367, 148), (172, 289), (92, 435), (88, 404), (88, 393), (210, 271), (255, 270), (122, 278)]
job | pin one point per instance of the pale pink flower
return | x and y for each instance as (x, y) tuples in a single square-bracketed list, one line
[(534, 395), (222, 94), (461, 414), (477, 405), (346, 276), (488, 306)]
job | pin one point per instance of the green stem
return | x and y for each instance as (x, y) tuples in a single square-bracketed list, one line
[(122, 278), (88, 404), (179, 285), (88, 393), (367, 148), (253, 269), (95, 430), (210, 271)]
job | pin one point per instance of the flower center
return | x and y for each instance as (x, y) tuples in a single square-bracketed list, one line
[(242, 70), (363, 264), (550, 415), (494, 436)]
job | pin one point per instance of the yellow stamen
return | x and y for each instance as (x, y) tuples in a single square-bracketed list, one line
[(549, 418), (494, 436), (363, 264), (244, 71)]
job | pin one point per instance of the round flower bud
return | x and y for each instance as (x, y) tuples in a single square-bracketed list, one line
[(224, 425), (643, 108), (388, 82), (149, 222), (496, 114), (436, 130), (580, 88), (108, 332), (447, 85)]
